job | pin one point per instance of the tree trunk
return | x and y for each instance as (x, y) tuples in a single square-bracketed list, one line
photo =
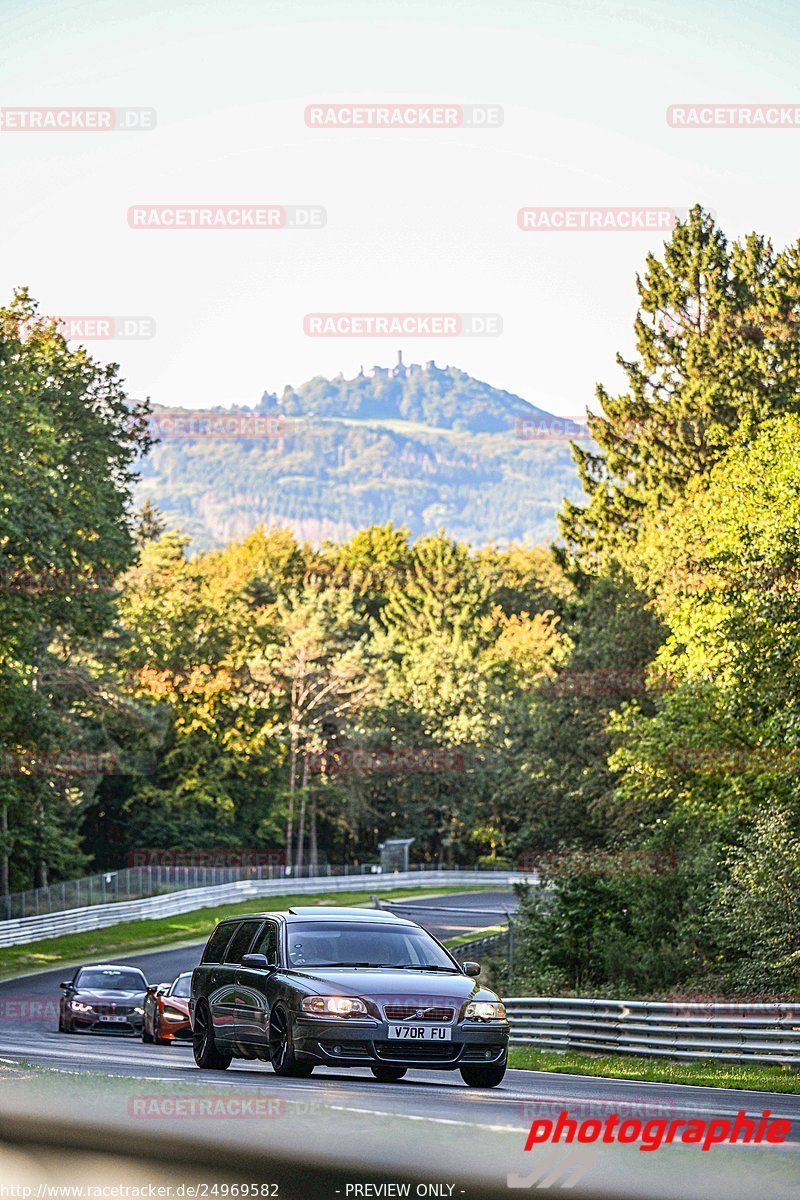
[(301, 824), (292, 783), (4, 875), (313, 857), (40, 870)]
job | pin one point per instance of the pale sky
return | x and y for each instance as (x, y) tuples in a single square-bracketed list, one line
[(417, 221)]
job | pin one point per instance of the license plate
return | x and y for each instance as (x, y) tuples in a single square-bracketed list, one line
[(420, 1033), (105, 1018)]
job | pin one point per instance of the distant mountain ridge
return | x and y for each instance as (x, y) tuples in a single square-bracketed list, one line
[(425, 447), (442, 397)]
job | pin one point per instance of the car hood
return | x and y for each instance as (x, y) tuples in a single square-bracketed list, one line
[(382, 984), (108, 997), (179, 1002)]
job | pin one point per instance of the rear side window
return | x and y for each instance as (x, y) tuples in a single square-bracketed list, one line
[(215, 948), (241, 941), (268, 943)]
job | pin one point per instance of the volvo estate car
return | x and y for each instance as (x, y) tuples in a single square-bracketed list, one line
[(343, 988), (166, 1012), (103, 999)]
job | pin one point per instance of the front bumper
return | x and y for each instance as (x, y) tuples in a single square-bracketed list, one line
[(91, 1023), (360, 1043), (177, 1031)]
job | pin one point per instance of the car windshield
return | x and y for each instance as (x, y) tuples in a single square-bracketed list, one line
[(346, 944), (112, 980), (182, 986)]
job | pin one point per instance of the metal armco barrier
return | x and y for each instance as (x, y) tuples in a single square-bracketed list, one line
[(731, 1032), (100, 916), (494, 943)]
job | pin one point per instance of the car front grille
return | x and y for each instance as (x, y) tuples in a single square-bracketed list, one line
[(112, 1010), (405, 1012), (417, 1051)]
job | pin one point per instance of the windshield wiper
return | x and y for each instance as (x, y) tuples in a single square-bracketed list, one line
[(384, 966), (346, 964), (401, 966)]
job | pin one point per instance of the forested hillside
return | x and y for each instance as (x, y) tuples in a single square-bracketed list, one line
[(423, 447)]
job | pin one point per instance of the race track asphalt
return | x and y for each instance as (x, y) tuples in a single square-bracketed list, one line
[(429, 1124)]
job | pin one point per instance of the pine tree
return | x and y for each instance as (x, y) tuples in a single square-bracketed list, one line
[(717, 354)]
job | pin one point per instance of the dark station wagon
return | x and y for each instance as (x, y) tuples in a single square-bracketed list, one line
[(343, 987)]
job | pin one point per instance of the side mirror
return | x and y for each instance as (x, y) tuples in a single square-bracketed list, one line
[(258, 962), (472, 968), (67, 983)]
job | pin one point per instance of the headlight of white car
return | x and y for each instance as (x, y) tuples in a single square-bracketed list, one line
[(334, 1006), (485, 1010)]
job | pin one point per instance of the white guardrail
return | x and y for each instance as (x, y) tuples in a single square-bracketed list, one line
[(22, 930), (767, 1033)]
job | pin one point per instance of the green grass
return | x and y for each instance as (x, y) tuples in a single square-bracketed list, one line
[(756, 1077), (170, 931), (463, 938)]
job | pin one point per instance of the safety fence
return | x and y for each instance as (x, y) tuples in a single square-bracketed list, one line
[(101, 916), (734, 1032), (135, 883), (493, 944)]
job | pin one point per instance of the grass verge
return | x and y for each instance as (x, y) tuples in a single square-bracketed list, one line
[(464, 938), (754, 1077), (170, 931)]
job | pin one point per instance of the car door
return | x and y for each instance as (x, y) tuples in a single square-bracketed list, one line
[(223, 1001), (254, 988)]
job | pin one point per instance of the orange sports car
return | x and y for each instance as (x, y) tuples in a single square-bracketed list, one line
[(166, 1012)]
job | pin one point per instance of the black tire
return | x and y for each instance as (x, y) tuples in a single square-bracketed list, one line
[(281, 1046), (388, 1074), (483, 1077), (61, 1026), (146, 1037), (206, 1053)]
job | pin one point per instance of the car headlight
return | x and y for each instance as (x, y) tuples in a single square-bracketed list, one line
[(174, 1014), (140, 1011), (334, 1006), (79, 1007), (485, 1010)]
